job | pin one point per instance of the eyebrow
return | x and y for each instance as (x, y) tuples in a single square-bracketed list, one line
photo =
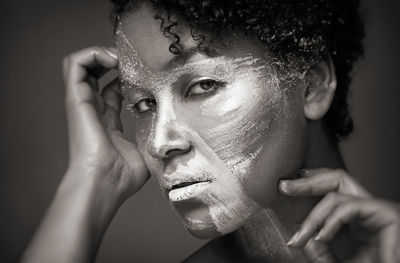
[(181, 58)]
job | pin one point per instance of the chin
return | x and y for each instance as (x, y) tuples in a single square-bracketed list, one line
[(208, 233), (201, 230), (205, 227)]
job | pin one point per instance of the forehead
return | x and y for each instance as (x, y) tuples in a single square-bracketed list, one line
[(144, 34)]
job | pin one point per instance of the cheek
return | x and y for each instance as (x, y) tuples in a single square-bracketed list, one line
[(282, 154), (235, 122), (143, 128), (257, 129)]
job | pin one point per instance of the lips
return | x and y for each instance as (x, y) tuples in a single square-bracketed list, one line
[(188, 191), (180, 182), (184, 184)]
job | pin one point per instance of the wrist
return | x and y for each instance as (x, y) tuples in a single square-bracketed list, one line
[(93, 187), (102, 186), (75, 221), (96, 199)]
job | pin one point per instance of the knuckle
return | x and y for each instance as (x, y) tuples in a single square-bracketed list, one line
[(341, 177), (331, 196), (311, 189), (349, 205), (95, 50), (341, 173), (69, 61)]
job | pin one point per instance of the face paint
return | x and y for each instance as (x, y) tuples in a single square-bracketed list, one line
[(243, 125), (223, 132), (220, 192)]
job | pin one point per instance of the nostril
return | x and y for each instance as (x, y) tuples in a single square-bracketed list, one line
[(174, 152)]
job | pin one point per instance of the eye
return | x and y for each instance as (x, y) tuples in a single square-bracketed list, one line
[(145, 105), (203, 86)]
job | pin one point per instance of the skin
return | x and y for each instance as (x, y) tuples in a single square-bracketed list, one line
[(374, 224), (197, 137), (105, 169)]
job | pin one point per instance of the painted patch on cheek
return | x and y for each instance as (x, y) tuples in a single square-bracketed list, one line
[(244, 115)]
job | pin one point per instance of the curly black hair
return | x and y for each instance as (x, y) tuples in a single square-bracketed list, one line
[(304, 30)]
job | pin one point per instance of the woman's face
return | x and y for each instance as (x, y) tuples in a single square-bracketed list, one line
[(216, 129)]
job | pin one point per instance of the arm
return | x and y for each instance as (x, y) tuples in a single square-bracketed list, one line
[(74, 223), (104, 168)]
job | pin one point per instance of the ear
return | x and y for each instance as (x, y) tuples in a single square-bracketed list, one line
[(320, 90)]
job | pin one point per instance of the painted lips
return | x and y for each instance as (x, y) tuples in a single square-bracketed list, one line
[(187, 190)]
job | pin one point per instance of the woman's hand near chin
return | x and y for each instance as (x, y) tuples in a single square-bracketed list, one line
[(348, 224), (104, 168)]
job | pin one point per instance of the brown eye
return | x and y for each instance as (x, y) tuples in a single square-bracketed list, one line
[(145, 105), (202, 86)]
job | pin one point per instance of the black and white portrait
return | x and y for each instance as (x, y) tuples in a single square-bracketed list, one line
[(200, 131)]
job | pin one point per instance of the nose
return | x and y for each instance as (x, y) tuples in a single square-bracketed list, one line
[(167, 136)]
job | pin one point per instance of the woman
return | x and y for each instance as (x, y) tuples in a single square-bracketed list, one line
[(237, 106)]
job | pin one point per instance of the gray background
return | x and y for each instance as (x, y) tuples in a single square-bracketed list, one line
[(35, 35)]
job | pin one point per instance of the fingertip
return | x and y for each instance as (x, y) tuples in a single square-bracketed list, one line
[(283, 186), (292, 241), (112, 52), (322, 236)]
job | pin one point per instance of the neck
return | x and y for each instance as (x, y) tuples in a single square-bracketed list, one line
[(265, 235)]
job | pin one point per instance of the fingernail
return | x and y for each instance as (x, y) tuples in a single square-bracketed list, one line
[(318, 237), (293, 239), (302, 172), (112, 54), (283, 186)]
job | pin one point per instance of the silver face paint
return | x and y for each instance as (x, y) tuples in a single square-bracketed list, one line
[(224, 132)]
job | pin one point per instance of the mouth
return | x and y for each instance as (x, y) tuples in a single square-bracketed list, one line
[(187, 190), (184, 184)]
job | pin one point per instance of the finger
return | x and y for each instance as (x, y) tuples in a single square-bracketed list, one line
[(389, 243), (316, 218), (373, 215), (342, 215), (100, 70), (311, 172), (113, 100), (111, 119), (318, 252), (311, 186), (80, 62), (83, 103), (112, 95), (321, 181)]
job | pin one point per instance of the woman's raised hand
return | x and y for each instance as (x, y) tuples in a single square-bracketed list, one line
[(104, 168), (97, 146), (348, 224)]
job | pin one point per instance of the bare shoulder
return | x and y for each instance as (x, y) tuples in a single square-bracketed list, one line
[(222, 249)]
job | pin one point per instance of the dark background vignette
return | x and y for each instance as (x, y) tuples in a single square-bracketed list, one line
[(35, 35)]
